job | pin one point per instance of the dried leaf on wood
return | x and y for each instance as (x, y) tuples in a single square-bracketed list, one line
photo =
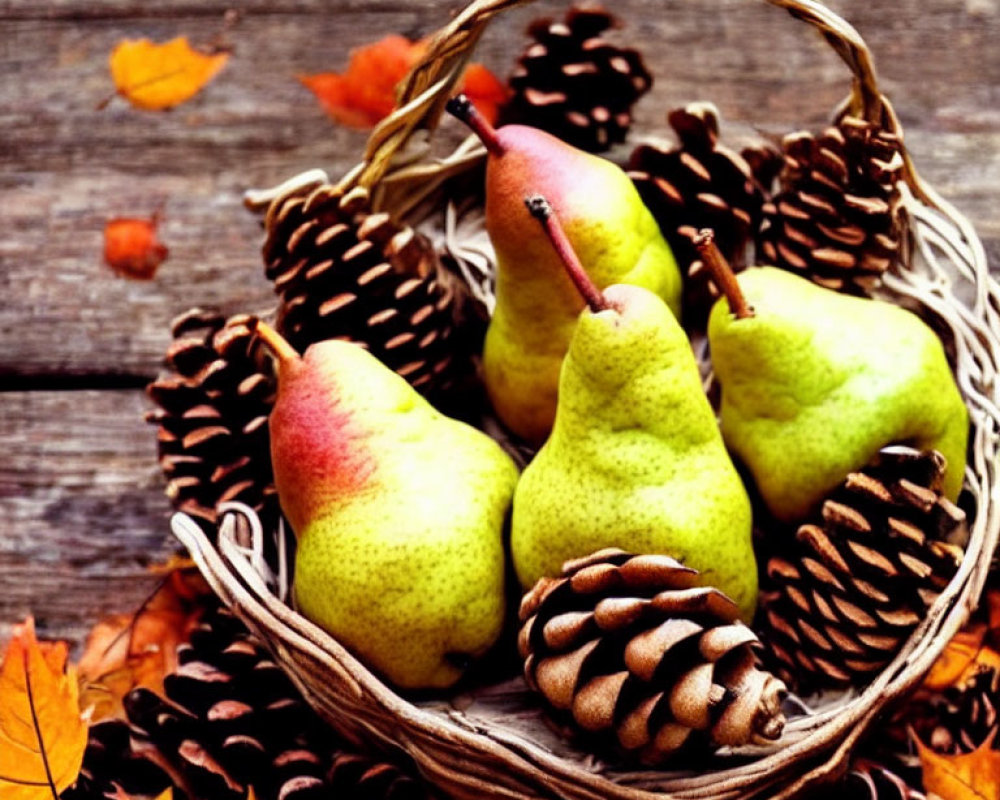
[(42, 733), (963, 656), (155, 77), (971, 776), (131, 247), (127, 651), (366, 92)]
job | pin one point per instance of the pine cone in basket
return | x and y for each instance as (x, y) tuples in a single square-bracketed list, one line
[(576, 85), (629, 649), (342, 272), (835, 218), (231, 718), (855, 584), (703, 184), (214, 402)]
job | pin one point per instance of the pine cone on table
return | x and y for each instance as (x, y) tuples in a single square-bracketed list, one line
[(835, 218), (628, 651), (231, 718), (343, 272), (703, 184), (575, 84), (214, 401), (856, 583)]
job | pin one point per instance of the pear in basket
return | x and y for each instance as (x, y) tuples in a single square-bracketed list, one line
[(635, 459), (398, 512), (536, 304), (814, 383)]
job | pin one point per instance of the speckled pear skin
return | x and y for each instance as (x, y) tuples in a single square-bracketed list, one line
[(635, 459), (611, 230), (399, 513), (817, 382)]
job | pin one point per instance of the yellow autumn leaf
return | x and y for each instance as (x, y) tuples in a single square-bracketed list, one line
[(42, 734), (156, 77), (969, 776)]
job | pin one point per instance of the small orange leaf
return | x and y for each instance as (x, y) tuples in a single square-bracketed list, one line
[(131, 247), (156, 77), (42, 734), (971, 776), (964, 655), (127, 651), (366, 92)]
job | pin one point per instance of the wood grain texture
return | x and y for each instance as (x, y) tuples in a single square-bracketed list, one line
[(81, 511)]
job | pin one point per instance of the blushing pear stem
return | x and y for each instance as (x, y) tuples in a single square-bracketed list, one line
[(461, 107), (275, 342), (722, 273), (540, 209)]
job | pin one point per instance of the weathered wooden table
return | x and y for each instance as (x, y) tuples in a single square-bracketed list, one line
[(82, 514)]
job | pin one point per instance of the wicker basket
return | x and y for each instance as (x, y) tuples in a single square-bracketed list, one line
[(493, 742)]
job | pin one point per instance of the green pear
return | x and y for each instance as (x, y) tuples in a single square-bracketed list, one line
[(398, 511), (635, 459), (814, 383), (536, 303)]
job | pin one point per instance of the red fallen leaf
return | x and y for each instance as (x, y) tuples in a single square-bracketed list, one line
[(366, 92), (131, 247)]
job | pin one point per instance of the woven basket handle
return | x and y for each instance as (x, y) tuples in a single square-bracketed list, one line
[(430, 82)]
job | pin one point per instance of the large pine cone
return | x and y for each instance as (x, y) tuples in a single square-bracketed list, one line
[(630, 649), (703, 184), (576, 85), (214, 402), (856, 583), (342, 272), (835, 219)]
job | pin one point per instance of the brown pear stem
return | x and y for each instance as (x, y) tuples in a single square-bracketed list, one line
[(275, 342), (461, 107), (540, 209), (722, 273)]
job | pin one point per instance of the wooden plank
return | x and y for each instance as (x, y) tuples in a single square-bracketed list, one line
[(82, 514), (66, 168)]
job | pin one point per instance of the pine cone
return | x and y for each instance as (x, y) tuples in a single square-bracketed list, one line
[(231, 718), (574, 84), (966, 715), (344, 273), (856, 584), (703, 184), (110, 763), (627, 648), (835, 219), (214, 403)]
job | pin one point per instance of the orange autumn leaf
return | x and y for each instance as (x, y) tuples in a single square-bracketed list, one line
[(366, 92), (964, 655), (155, 77), (131, 247), (970, 776), (128, 651), (42, 733)]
